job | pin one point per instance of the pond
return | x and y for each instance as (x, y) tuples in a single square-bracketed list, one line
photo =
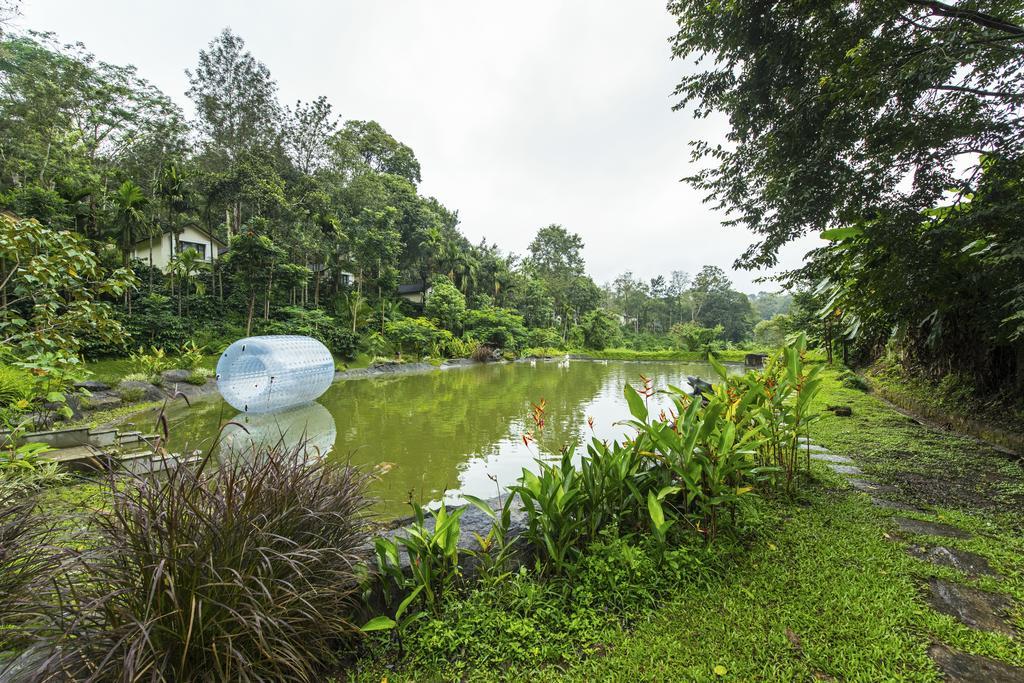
[(440, 434)]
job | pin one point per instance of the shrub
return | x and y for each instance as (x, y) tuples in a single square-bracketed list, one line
[(136, 377), (14, 385), (312, 322), (198, 376), (127, 395), (600, 330), (691, 336), (414, 335), (150, 364), (246, 572), (500, 327), (855, 381), (544, 337)]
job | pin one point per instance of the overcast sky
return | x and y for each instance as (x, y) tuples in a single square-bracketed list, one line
[(521, 114)]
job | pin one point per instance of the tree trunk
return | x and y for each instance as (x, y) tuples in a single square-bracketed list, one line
[(252, 307)]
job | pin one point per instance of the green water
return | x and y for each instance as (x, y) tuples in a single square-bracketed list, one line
[(445, 432)]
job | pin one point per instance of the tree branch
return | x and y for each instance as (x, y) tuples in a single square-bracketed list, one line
[(982, 93), (974, 16)]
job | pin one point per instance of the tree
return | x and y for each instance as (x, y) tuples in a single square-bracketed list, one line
[(365, 146), (710, 280), (184, 266), (772, 333), (250, 264), (834, 108), (445, 305), (556, 255), (234, 96), (600, 330), (308, 129), (732, 311), (416, 335), (130, 217), (532, 301), (498, 327), (693, 337), (52, 288)]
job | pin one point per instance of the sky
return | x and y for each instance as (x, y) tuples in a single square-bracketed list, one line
[(521, 114)]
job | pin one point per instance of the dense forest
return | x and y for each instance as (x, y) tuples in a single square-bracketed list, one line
[(323, 228)]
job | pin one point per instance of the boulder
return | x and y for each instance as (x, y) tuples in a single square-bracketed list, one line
[(100, 400), (92, 385), (147, 392), (172, 377)]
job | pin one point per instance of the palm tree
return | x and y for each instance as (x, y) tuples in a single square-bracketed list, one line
[(130, 221), (130, 216), (185, 266)]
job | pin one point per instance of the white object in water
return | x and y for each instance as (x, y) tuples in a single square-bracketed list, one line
[(307, 430), (261, 374)]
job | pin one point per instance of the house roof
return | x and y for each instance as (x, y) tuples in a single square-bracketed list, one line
[(213, 238)]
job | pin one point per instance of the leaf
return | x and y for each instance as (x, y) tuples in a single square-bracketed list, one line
[(480, 505), (637, 407), (719, 368), (720, 670), (840, 234), (655, 510), (380, 623), (405, 603)]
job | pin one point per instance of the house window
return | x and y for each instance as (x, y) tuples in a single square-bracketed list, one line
[(198, 246)]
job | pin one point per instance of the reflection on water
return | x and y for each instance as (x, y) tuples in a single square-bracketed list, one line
[(309, 426), (449, 431)]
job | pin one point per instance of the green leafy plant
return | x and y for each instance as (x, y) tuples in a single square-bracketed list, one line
[(150, 364), (190, 355)]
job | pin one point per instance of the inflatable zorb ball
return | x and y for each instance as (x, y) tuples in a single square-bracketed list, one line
[(262, 374)]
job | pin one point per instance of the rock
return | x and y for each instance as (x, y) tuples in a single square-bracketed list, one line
[(917, 526), (846, 469), (92, 385), (831, 457), (175, 376), (101, 401), (972, 564), (145, 391), (960, 667), (978, 609), (895, 505), (873, 487)]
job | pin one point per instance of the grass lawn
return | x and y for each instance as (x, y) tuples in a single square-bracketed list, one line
[(819, 588)]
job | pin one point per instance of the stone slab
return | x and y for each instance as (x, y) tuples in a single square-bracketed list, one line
[(852, 470), (972, 564), (960, 667), (977, 609), (895, 505), (831, 457), (873, 487), (917, 526)]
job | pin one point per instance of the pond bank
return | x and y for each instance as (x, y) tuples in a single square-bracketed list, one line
[(908, 567)]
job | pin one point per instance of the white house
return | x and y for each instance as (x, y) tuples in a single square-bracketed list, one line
[(160, 249)]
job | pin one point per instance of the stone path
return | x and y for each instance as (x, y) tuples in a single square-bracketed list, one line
[(977, 609)]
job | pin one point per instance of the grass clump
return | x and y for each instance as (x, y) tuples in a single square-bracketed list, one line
[(245, 572), (27, 563)]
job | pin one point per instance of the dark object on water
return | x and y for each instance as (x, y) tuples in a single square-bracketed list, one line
[(841, 411), (699, 386), (755, 360)]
